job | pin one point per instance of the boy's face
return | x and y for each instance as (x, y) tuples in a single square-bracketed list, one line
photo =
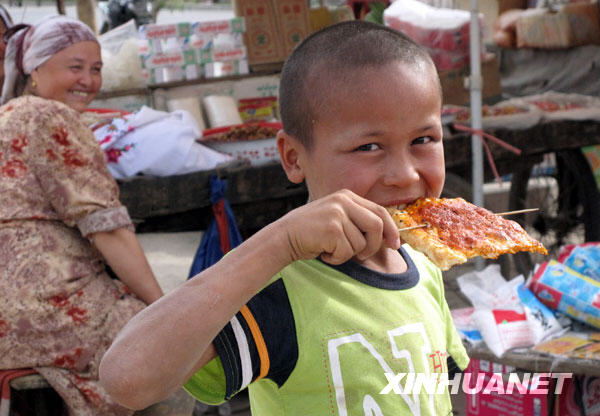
[(380, 136)]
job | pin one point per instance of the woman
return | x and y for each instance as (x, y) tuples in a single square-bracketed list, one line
[(61, 219), (5, 23)]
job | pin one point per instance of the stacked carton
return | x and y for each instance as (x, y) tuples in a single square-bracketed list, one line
[(445, 33), (572, 24), (183, 51), (273, 27)]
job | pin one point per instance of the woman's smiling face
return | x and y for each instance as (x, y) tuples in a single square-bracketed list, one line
[(72, 76)]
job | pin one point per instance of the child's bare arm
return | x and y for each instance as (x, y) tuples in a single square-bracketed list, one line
[(161, 347)]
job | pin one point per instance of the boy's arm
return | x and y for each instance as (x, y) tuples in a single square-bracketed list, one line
[(162, 346)]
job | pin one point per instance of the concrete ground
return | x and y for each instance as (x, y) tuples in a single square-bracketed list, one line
[(170, 255)]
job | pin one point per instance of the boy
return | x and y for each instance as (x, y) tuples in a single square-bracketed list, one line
[(341, 302)]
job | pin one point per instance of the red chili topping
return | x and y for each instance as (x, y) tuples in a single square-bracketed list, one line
[(464, 226)]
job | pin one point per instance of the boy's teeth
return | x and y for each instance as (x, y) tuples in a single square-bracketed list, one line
[(81, 93), (401, 206)]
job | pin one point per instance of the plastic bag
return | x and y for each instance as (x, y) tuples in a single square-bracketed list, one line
[(563, 289), (542, 322), (222, 233), (503, 329), (506, 314), (488, 289), (463, 321), (120, 52), (583, 258), (155, 143)]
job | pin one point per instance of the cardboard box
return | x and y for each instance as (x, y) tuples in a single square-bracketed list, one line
[(573, 25), (293, 23), (236, 25), (493, 404), (453, 82), (261, 36), (584, 19), (273, 27), (540, 28)]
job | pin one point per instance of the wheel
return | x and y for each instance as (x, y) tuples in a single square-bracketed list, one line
[(566, 193)]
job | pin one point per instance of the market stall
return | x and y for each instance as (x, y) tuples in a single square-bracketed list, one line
[(547, 131)]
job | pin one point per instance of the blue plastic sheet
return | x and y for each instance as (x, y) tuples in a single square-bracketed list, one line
[(222, 233)]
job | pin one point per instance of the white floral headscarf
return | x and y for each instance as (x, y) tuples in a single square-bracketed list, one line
[(29, 46)]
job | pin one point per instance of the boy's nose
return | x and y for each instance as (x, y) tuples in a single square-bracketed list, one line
[(400, 171)]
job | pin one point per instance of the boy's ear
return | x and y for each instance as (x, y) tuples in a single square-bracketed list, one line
[(290, 150)]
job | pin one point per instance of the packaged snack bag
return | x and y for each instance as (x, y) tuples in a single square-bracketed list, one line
[(463, 321), (565, 290), (542, 321), (583, 258)]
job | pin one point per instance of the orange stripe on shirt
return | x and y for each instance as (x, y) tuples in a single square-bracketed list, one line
[(258, 340)]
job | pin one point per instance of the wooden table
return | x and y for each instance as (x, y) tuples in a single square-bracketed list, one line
[(533, 142), (533, 361), (258, 196)]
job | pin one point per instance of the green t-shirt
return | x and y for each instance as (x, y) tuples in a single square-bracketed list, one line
[(319, 339)]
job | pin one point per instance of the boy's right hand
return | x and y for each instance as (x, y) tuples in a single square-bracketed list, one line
[(338, 227)]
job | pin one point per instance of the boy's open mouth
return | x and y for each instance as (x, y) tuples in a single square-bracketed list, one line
[(400, 204)]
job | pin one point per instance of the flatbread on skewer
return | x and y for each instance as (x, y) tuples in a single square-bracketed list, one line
[(457, 230)]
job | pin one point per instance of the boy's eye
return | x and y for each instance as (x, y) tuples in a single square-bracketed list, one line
[(369, 147), (422, 140)]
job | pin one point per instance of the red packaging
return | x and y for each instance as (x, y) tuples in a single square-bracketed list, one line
[(494, 404)]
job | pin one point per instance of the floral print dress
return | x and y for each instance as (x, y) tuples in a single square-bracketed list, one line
[(59, 310)]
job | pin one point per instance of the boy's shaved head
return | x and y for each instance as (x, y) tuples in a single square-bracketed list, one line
[(320, 64)]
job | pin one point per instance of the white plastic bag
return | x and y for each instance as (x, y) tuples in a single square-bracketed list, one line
[(506, 314), (463, 321), (503, 329), (122, 68), (155, 143)]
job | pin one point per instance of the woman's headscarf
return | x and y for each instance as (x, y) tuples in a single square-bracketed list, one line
[(29, 46)]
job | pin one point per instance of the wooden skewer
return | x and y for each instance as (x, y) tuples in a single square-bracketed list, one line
[(413, 227), (520, 211)]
